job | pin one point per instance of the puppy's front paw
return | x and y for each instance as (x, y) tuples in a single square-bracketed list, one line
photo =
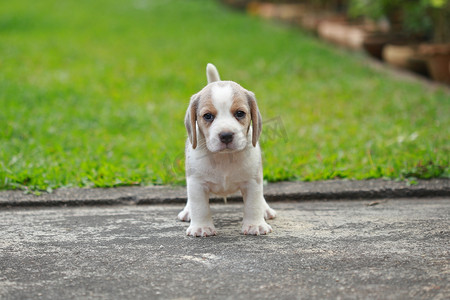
[(207, 230), (184, 215), (269, 214), (256, 229)]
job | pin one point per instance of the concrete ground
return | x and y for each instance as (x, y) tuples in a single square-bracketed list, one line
[(371, 249)]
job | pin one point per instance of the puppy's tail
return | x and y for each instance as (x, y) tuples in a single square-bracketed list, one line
[(211, 73)]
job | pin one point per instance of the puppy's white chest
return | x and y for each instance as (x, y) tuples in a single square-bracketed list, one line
[(225, 173), (222, 186), (225, 182)]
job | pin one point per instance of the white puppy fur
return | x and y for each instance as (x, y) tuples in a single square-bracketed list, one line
[(223, 155)]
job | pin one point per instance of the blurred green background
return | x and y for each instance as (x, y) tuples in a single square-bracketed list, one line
[(93, 93)]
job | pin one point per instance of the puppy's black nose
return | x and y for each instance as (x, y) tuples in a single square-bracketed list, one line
[(226, 137)]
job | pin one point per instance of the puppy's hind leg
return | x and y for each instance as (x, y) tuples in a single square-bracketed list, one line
[(269, 213), (185, 214)]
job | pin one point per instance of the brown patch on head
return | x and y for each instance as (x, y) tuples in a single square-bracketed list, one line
[(240, 103), (206, 107)]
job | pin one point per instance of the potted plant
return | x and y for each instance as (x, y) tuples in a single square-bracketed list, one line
[(286, 11), (437, 53), (411, 22), (334, 25), (319, 11), (387, 15)]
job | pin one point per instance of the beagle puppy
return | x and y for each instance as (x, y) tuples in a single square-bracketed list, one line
[(223, 155)]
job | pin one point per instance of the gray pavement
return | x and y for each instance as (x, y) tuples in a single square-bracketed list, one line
[(371, 249)]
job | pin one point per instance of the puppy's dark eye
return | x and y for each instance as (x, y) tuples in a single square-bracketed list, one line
[(208, 117), (239, 114)]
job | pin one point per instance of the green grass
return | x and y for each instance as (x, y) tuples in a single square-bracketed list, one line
[(93, 93)]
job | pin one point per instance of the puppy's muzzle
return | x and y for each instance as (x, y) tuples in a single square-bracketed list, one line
[(226, 137)]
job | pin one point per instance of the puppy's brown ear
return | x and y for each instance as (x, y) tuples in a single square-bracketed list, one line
[(256, 118), (190, 120)]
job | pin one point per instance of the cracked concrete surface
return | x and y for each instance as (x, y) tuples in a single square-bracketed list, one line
[(376, 249)]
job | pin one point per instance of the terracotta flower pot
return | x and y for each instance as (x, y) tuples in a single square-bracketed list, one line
[(418, 64), (438, 67), (398, 55), (291, 12), (355, 37), (311, 21), (373, 44), (265, 10), (342, 33), (438, 60)]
